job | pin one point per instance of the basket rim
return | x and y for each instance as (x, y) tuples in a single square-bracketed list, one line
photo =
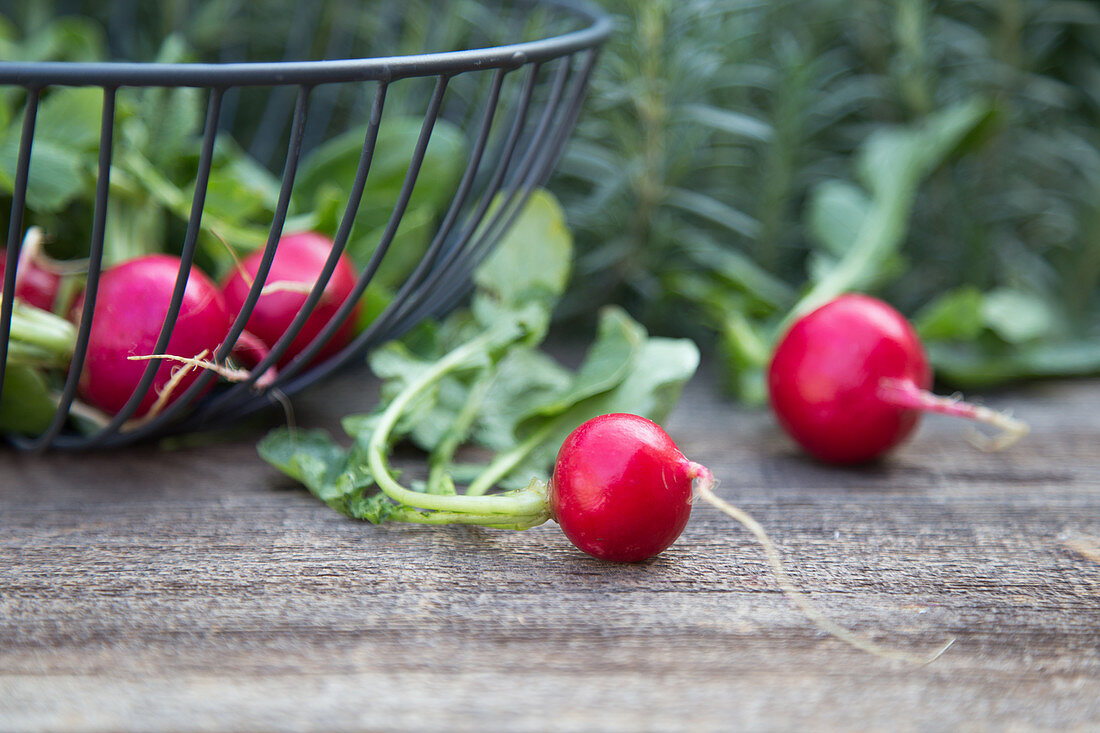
[(281, 73)]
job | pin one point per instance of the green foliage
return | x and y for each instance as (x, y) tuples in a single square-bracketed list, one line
[(26, 405), (479, 380), (731, 153), (38, 340)]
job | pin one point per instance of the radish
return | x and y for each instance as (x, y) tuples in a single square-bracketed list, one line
[(621, 489), (297, 265), (131, 304), (34, 284), (849, 381)]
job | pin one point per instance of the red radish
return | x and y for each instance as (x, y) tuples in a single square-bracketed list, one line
[(849, 381), (296, 266), (621, 489), (131, 303), (34, 284)]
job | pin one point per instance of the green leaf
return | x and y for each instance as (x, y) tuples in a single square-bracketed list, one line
[(524, 377), (69, 38), (892, 163), (898, 158), (57, 174), (736, 268), (309, 456), (728, 121), (427, 418), (650, 388), (25, 405), (314, 459), (836, 211), (70, 116), (1017, 316), (66, 130), (239, 190), (532, 261), (982, 364), (619, 339), (954, 315), (333, 166), (711, 209), (409, 244)]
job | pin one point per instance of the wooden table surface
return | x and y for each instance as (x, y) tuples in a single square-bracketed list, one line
[(195, 589)]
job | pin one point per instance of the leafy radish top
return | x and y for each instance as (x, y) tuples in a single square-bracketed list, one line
[(621, 490), (479, 379)]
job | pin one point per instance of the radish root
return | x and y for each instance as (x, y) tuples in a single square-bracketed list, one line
[(231, 374), (704, 487), (906, 394)]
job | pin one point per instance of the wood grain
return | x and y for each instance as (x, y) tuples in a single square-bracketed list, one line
[(195, 589)]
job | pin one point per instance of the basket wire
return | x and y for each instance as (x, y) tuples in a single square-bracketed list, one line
[(499, 176)]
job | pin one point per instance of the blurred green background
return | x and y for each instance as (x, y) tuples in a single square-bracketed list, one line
[(738, 159)]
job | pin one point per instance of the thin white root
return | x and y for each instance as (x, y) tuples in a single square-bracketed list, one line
[(237, 264), (705, 487), (165, 392), (288, 409), (905, 393), (225, 371), (1010, 430), (32, 245), (286, 286)]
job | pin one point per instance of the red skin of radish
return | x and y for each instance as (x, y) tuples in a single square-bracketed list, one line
[(35, 285), (621, 489), (298, 260), (131, 304), (826, 379)]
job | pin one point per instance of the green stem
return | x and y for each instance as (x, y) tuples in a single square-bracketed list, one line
[(884, 225), (408, 514), (505, 463), (504, 508), (39, 336), (444, 452)]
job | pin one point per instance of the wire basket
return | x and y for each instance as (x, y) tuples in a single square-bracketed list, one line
[(515, 103)]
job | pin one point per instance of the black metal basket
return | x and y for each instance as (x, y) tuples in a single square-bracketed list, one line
[(517, 106)]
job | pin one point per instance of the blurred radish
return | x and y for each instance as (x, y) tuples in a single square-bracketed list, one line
[(297, 265), (131, 304), (34, 283), (849, 381)]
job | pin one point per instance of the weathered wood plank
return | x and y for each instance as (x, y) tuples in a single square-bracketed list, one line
[(195, 589)]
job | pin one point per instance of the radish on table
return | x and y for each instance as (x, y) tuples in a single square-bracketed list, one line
[(620, 489), (849, 381)]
